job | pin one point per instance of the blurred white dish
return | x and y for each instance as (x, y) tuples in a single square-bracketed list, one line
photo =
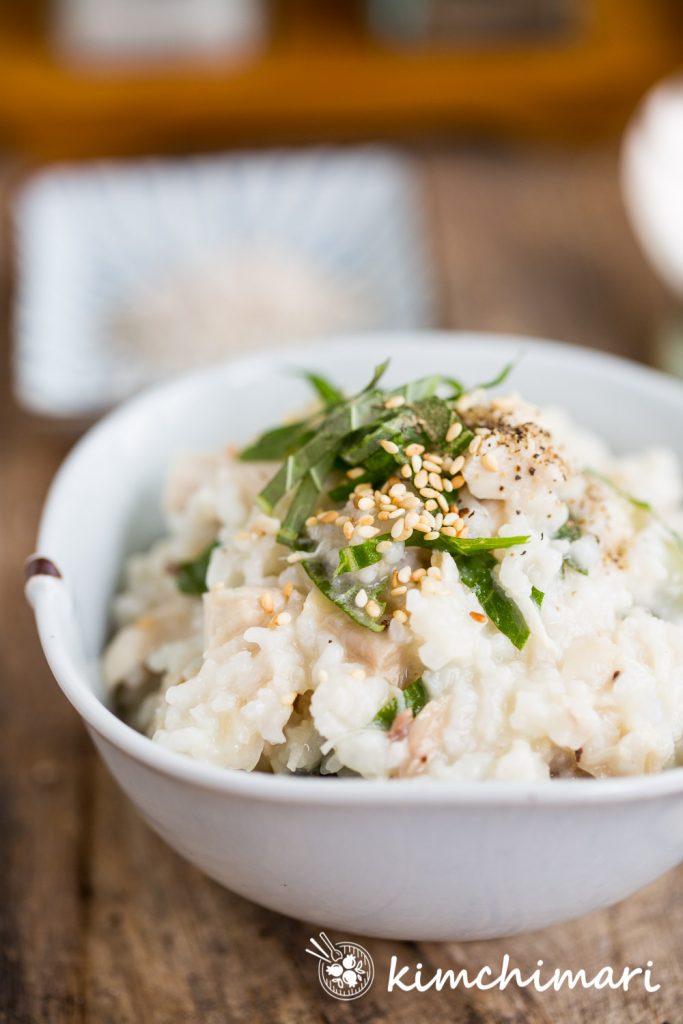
[(104, 246), (652, 179), (408, 859)]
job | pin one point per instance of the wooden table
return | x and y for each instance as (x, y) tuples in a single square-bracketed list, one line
[(99, 921)]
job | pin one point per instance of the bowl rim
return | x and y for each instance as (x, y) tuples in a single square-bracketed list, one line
[(49, 599)]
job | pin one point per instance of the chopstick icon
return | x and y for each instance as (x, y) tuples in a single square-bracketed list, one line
[(329, 955)]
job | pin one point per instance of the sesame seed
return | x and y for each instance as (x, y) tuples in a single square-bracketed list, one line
[(403, 575), (328, 517), (414, 449), (312, 521), (400, 615), (406, 471), (431, 467), (283, 619), (410, 501), (354, 473), (361, 599), (399, 591), (383, 514), (365, 521), (412, 518), (384, 546), (416, 463), (450, 519), (442, 502), (397, 529), (434, 572), (422, 527), (432, 535), (421, 479), (455, 430), (340, 520), (297, 556), (266, 602), (396, 513), (490, 462), (418, 574), (395, 402), (398, 490), (435, 481), (478, 617), (389, 446), (447, 485), (475, 444), (407, 534), (373, 609), (458, 481), (449, 531), (365, 504), (457, 464), (431, 505), (287, 590), (428, 492), (348, 529), (367, 532)]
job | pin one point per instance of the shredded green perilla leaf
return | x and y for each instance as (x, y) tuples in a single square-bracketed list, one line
[(371, 439)]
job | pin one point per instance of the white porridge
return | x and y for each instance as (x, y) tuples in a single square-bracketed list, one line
[(415, 581)]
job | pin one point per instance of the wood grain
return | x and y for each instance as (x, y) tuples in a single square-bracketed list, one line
[(99, 921)]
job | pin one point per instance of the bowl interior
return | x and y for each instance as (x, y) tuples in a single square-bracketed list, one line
[(105, 501)]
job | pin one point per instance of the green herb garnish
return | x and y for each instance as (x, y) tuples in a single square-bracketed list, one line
[(276, 444), (328, 393), (344, 595), (537, 596), (476, 573), (304, 501), (191, 576), (642, 506), (359, 556), (369, 433), (475, 565), (569, 531), (414, 696), (497, 380), (386, 715)]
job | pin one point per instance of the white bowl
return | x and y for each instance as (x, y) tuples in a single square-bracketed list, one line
[(403, 859), (651, 176)]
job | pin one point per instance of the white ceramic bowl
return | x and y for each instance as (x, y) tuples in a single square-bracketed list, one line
[(651, 176), (404, 859)]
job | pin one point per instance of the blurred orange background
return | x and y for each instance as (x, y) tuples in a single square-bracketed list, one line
[(568, 70)]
